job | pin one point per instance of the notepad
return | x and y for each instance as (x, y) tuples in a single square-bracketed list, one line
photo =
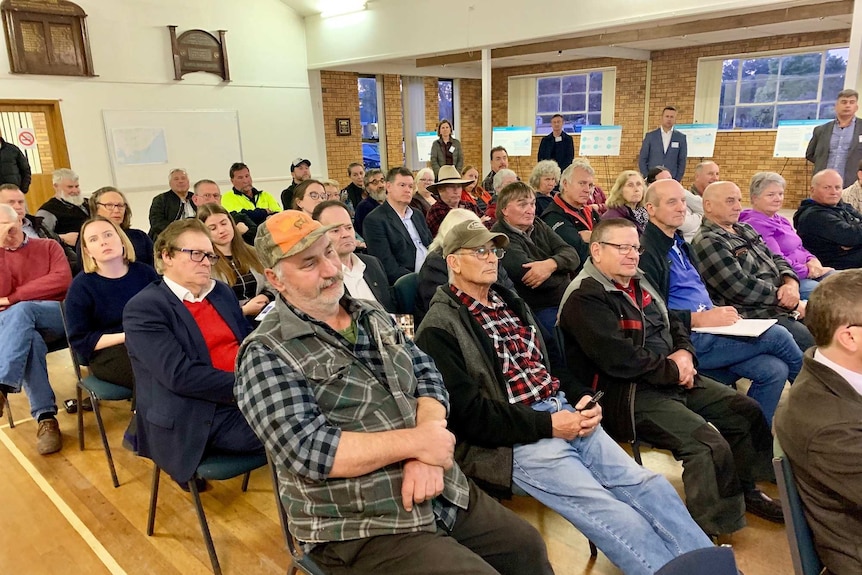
[(742, 328)]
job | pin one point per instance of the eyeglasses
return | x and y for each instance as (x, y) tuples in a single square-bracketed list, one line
[(317, 196), (210, 196), (198, 256), (376, 182), (483, 253), (625, 249), (427, 180), (112, 207)]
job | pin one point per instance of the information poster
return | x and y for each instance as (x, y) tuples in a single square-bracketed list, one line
[(600, 140), (424, 141), (518, 140), (700, 139), (792, 137)]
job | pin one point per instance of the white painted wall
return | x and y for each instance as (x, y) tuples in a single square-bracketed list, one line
[(391, 29), (131, 54)]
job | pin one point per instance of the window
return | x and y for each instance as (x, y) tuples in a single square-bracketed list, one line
[(577, 97), (445, 93), (368, 119), (757, 93)]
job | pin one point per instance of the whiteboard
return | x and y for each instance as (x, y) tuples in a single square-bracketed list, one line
[(145, 145)]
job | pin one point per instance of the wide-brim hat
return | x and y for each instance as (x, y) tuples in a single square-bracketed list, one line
[(448, 175), (286, 234), (471, 234)]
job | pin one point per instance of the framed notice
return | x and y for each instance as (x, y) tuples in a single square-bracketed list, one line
[(600, 141), (518, 140), (792, 137), (700, 139), (424, 141)]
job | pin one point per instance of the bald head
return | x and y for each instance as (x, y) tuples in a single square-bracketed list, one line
[(665, 203), (722, 202), (826, 187), (659, 189)]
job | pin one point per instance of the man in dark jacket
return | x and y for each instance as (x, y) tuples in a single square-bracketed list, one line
[(175, 204), (514, 426), (558, 145), (14, 167), (618, 331), (569, 213), (829, 227)]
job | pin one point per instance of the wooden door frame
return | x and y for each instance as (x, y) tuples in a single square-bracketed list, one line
[(61, 151)]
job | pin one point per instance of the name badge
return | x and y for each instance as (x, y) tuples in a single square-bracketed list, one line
[(560, 138), (674, 144), (451, 149), (860, 139)]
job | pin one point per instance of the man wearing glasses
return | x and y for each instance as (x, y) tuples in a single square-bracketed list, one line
[(208, 192), (375, 190), (183, 334), (618, 331), (516, 429)]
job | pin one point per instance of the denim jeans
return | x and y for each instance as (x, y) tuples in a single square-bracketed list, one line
[(768, 361), (807, 285), (632, 514), (23, 329)]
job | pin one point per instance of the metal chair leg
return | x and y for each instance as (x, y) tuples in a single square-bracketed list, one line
[(9, 417), (205, 529), (636, 451), (154, 497), (593, 550), (107, 447), (80, 413), (245, 479)]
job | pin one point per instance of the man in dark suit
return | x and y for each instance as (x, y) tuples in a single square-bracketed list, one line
[(175, 204), (558, 145), (397, 235), (837, 145), (364, 276), (664, 146), (183, 335), (818, 425)]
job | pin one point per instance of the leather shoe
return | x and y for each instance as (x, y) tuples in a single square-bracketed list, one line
[(760, 504), (2, 403), (48, 438)]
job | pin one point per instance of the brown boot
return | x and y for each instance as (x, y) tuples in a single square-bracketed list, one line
[(48, 437), (2, 403)]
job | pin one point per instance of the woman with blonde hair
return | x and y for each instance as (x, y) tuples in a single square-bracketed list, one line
[(423, 199), (434, 272), (97, 297), (627, 200), (238, 265), (111, 203)]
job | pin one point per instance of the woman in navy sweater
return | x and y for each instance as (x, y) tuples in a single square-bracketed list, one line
[(96, 298)]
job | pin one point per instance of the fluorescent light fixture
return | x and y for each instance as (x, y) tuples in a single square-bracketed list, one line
[(330, 8)]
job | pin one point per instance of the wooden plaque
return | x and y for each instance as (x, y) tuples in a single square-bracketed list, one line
[(199, 51), (47, 37)]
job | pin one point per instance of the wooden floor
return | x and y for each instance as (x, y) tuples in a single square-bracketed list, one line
[(61, 513)]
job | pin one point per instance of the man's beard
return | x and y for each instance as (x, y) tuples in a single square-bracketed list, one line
[(74, 200), (380, 196)]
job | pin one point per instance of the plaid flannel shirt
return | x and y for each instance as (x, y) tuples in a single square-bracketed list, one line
[(300, 384), (439, 210), (740, 270)]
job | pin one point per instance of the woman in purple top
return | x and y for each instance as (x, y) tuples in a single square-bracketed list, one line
[(627, 200), (767, 196)]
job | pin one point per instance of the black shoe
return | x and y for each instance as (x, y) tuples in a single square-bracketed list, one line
[(760, 504)]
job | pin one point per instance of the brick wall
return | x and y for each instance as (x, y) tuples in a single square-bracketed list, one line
[(739, 154), (470, 130), (394, 120), (340, 100), (432, 104)]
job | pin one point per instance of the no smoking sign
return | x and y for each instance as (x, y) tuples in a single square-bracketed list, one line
[(27, 138)]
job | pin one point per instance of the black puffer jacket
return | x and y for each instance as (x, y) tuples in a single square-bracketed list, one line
[(14, 167)]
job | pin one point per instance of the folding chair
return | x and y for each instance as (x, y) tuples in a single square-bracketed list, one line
[(802, 551)]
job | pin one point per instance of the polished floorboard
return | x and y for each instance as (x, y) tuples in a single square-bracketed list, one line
[(60, 513)]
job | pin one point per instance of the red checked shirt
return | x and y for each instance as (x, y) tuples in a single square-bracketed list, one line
[(527, 378)]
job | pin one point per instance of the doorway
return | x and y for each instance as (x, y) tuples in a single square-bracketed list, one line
[(49, 152)]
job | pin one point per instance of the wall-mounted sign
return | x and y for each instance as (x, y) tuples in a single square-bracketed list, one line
[(199, 51)]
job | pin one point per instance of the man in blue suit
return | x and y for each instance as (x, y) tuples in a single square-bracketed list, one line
[(664, 146), (183, 335)]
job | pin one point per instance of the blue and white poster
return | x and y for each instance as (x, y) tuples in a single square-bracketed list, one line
[(518, 140), (600, 141), (700, 139)]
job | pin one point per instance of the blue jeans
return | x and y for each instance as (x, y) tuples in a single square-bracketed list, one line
[(23, 329), (807, 285), (768, 361), (632, 514)]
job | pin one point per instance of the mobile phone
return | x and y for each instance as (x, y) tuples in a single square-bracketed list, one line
[(593, 401)]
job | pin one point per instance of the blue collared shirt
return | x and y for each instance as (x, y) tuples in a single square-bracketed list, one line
[(839, 145), (687, 290), (421, 250)]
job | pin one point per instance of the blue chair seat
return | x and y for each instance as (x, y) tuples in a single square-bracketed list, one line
[(105, 390), (226, 466)]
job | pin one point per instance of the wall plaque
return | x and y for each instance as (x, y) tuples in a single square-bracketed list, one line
[(47, 37), (199, 51)]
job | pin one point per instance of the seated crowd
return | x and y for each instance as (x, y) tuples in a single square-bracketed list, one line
[(531, 298)]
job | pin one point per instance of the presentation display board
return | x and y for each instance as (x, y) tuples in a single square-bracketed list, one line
[(518, 140), (792, 137), (600, 140), (700, 139), (144, 145), (424, 141)]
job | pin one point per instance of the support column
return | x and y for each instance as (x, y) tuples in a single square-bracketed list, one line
[(486, 112), (853, 79)]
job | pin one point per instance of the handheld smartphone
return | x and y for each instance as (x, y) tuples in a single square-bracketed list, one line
[(593, 401)]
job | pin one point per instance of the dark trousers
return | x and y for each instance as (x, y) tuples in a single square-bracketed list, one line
[(797, 329), (487, 539), (112, 364), (720, 436), (231, 433)]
